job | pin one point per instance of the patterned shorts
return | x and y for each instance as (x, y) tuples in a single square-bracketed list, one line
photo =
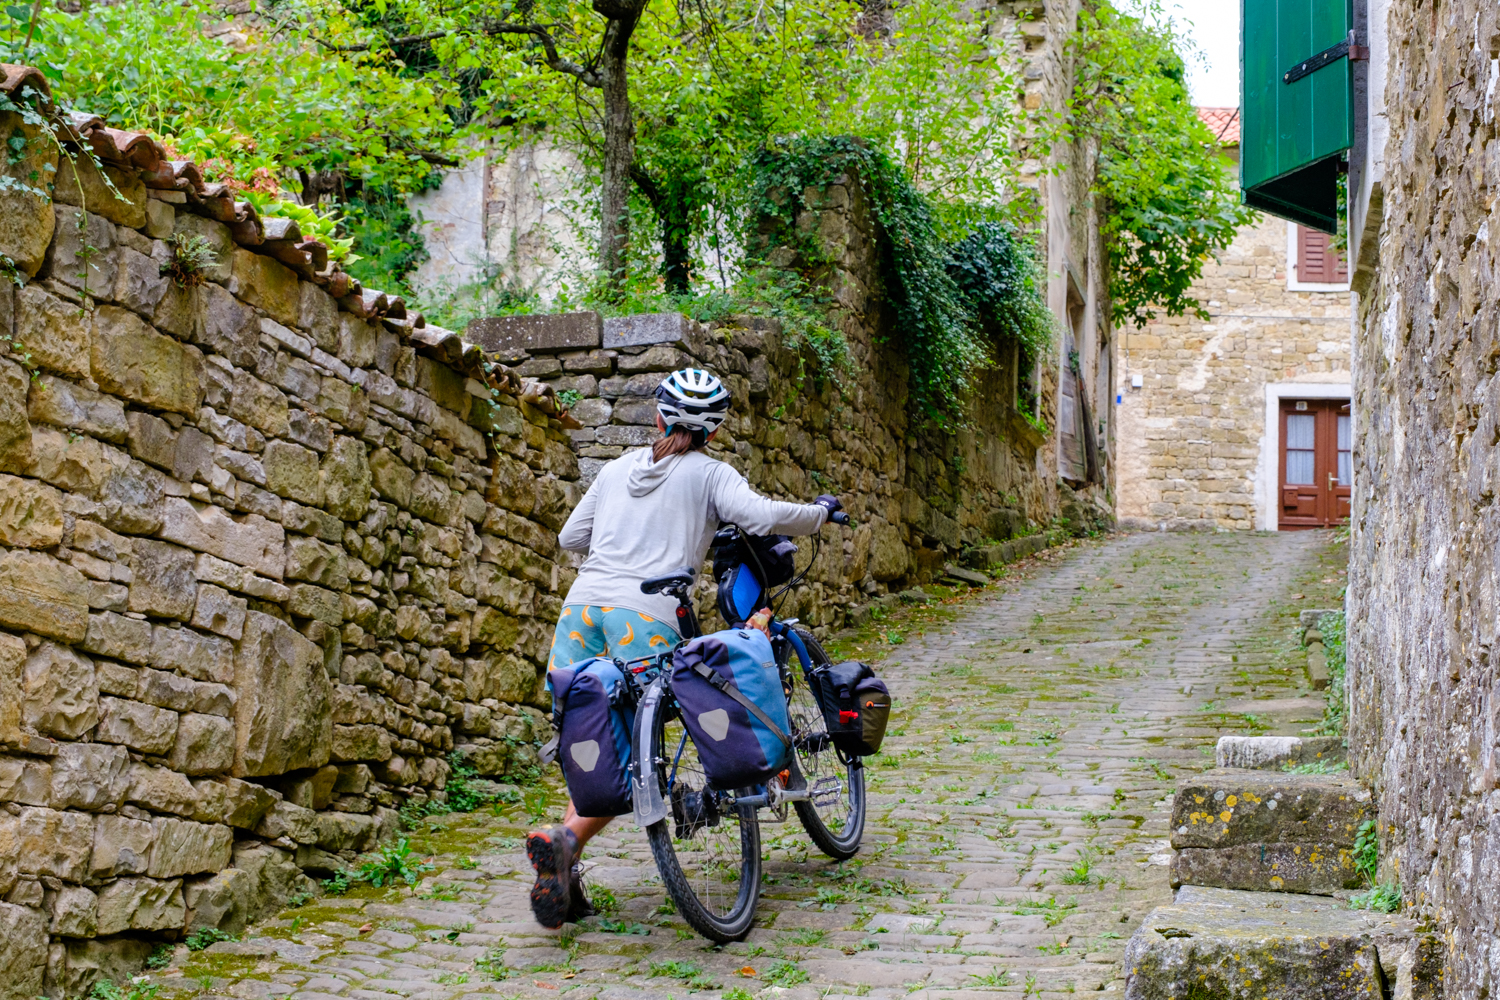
[(584, 631)]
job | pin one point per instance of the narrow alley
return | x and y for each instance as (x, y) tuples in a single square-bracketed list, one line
[(1018, 812)]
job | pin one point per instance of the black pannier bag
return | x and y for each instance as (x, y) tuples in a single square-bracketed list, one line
[(856, 706)]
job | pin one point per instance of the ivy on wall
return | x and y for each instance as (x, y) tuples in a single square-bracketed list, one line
[(948, 297)]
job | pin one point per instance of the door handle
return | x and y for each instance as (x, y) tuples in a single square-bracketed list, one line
[(1331, 483)]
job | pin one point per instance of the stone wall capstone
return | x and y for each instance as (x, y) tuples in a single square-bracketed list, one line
[(271, 550)]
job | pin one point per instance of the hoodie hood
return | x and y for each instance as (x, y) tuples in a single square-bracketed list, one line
[(646, 475)]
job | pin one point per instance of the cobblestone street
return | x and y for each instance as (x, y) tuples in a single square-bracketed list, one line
[(1017, 834)]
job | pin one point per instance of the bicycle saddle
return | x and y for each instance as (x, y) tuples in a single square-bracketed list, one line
[(678, 579)]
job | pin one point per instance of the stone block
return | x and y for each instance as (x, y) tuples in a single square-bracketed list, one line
[(316, 562), (288, 820), (166, 690), (246, 803), (318, 314), (131, 359), (200, 657), (1230, 807), (59, 692), (90, 776), (391, 477), (292, 471), (282, 715), (184, 847), (162, 789), (64, 404), (1301, 867), (118, 195), (12, 668), (119, 638), (219, 611), (54, 843), (1222, 943), (267, 283), (83, 963), (31, 514), (193, 460), (161, 218), (260, 405), (511, 335), (309, 601), (346, 479), (163, 581), (248, 540), (626, 436), (646, 328), (228, 327), (1272, 752), (360, 742), (221, 901), (122, 846), (310, 521), (141, 904), (205, 745), (28, 782), (75, 912), (55, 332), (151, 439), (23, 931), (654, 359), (15, 428), (39, 594), (82, 252), (27, 220), (889, 559), (137, 725), (139, 283)]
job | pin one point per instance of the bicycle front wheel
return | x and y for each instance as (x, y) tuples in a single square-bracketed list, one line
[(707, 849), (834, 817)]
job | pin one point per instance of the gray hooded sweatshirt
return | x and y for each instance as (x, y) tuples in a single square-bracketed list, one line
[(642, 519)]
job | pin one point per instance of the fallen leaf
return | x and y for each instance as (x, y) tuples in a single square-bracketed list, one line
[(1297, 597), (747, 971), (545, 986), (367, 928), (569, 975)]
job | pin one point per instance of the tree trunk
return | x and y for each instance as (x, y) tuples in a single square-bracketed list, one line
[(619, 145)]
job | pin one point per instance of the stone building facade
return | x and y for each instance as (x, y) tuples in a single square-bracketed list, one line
[(1424, 693), (1203, 404)]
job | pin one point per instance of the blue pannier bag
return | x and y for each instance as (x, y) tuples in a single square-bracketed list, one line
[(593, 714), (729, 691)]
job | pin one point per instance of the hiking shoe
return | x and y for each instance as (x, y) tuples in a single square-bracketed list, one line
[(578, 898), (550, 852)]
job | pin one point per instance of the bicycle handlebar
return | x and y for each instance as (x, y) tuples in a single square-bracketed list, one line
[(839, 517)]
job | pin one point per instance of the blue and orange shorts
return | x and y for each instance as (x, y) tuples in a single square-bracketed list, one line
[(585, 630)]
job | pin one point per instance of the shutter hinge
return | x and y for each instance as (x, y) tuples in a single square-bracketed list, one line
[(1345, 49)]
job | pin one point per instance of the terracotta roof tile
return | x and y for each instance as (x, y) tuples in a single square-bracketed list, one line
[(1224, 123)]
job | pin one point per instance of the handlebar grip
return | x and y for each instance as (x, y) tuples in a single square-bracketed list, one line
[(839, 517)]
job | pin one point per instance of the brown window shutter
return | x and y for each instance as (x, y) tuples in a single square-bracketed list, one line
[(1317, 261)]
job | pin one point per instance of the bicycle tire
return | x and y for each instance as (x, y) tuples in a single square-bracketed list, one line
[(838, 828), (692, 885)]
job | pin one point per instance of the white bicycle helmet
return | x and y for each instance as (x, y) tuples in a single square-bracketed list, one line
[(692, 398)]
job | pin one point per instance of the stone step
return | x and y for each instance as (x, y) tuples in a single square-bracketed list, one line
[(1268, 831), (1273, 752), (1225, 943)]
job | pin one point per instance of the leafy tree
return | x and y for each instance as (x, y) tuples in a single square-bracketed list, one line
[(1166, 202)]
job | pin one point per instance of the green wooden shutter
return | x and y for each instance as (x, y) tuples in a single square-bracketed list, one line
[(1292, 134)]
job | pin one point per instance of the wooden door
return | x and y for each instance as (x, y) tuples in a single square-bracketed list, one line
[(1316, 467)]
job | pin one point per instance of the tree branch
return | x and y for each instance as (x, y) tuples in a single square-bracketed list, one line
[(561, 64)]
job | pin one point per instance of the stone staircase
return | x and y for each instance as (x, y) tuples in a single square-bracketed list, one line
[(1264, 869)]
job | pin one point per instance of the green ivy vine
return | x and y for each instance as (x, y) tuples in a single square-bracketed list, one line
[(949, 299)]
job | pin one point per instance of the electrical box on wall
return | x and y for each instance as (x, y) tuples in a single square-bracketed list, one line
[(1136, 381)]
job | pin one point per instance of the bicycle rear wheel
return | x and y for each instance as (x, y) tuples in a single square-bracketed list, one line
[(707, 850), (835, 815)]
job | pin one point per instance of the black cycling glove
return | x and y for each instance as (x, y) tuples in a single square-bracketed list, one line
[(829, 503)]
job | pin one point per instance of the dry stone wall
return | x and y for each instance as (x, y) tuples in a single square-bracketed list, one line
[(271, 550), (1422, 639)]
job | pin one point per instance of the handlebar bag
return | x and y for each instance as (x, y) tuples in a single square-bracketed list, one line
[(593, 715), (728, 689), (856, 706)]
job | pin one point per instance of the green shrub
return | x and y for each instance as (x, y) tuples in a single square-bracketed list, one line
[(205, 936), (393, 863)]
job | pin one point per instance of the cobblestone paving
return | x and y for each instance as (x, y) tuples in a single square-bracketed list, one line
[(1018, 814)]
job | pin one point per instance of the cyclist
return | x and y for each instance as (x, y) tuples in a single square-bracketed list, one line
[(649, 512)]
